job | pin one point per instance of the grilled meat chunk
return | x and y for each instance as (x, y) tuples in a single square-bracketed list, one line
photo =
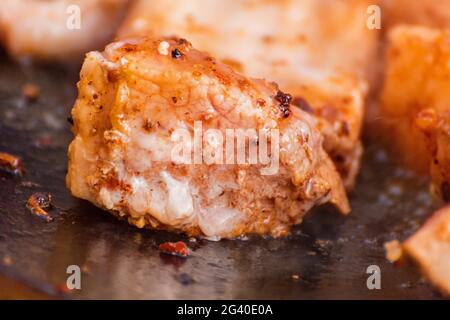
[(415, 109), (139, 92)]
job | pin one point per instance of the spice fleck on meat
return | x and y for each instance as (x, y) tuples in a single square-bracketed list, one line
[(31, 91), (284, 99), (176, 54)]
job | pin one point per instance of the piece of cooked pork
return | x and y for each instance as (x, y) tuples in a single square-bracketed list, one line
[(136, 94), (320, 51), (415, 109), (49, 29)]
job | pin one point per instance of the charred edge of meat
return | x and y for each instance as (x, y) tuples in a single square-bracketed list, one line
[(302, 104), (284, 99), (70, 120), (39, 201), (11, 163)]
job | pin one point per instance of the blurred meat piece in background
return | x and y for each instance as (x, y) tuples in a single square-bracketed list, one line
[(318, 51), (430, 248), (432, 13), (138, 92), (415, 108), (49, 30)]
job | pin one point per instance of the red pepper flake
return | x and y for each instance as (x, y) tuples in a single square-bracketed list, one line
[(31, 91), (295, 277), (11, 163), (38, 202), (284, 99), (176, 54), (178, 249)]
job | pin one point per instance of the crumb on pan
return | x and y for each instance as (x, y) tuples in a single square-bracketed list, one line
[(394, 250), (39, 201), (31, 91)]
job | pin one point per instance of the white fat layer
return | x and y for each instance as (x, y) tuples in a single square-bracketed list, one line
[(180, 207), (103, 61), (139, 198), (219, 221), (109, 198), (159, 147)]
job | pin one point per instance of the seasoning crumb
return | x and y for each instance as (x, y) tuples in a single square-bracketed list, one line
[(163, 48), (394, 250), (176, 54), (178, 249), (11, 163), (7, 261), (39, 201), (295, 277), (31, 91)]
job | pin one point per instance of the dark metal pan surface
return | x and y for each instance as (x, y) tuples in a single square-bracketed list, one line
[(325, 257)]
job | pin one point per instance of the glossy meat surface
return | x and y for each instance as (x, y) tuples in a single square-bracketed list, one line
[(138, 92)]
